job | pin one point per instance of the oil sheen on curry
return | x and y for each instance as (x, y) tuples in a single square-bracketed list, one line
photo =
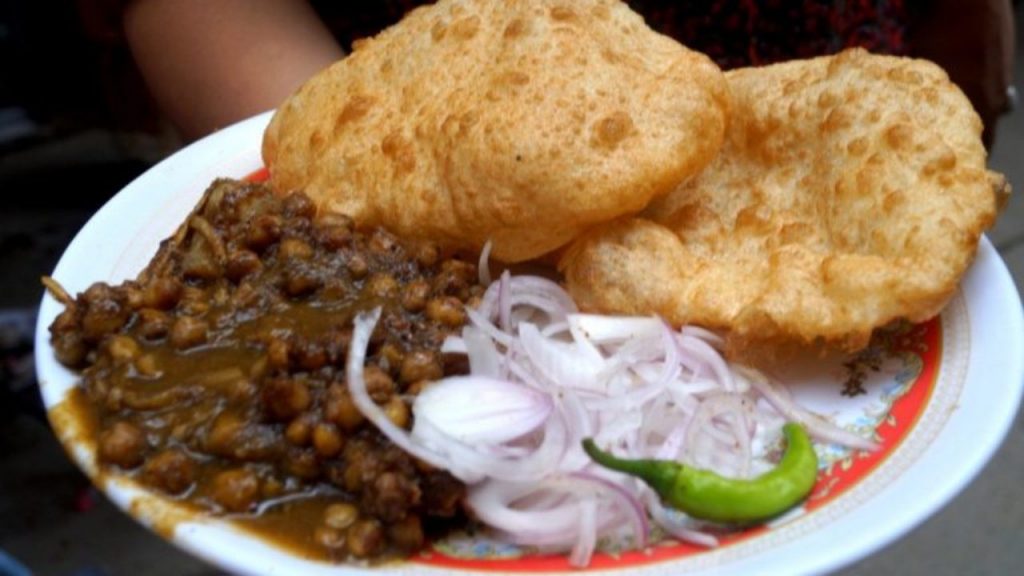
[(217, 377)]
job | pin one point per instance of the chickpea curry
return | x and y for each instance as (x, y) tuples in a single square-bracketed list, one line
[(217, 377)]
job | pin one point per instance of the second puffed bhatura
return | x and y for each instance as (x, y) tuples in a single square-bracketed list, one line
[(851, 192)]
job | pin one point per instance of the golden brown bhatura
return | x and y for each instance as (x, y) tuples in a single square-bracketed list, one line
[(851, 191), (521, 122)]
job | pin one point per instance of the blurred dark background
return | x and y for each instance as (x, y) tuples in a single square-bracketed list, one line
[(76, 125)]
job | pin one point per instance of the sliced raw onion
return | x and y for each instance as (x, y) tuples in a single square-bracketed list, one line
[(543, 377), (482, 410), (586, 538), (817, 427), (626, 501), (483, 354), (609, 329), (562, 512), (678, 524), (483, 265), (482, 461), (363, 326)]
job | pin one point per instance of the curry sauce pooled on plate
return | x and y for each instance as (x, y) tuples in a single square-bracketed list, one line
[(218, 376)]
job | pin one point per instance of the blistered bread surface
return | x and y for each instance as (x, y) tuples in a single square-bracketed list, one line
[(851, 191), (522, 122)]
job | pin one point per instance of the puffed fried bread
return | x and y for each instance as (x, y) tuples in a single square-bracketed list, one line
[(851, 191), (521, 122)]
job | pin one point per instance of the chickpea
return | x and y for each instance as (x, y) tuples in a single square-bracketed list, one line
[(68, 319), (300, 282), (277, 354), (133, 296), (407, 533), (161, 293), (427, 254), (415, 295), (340, 515), (193, 302), (365, 538), (382, 285), (392, 356), (264, 231), (298, 204), (459, 268), (146, 365), (153, 324), (200, 261), (335, 288), (302, 464), (294, 248), (310, 356), (284, 398), (357, 266), (397, 411), (334, 237), (447, 310), (418, 387), (236, 490), (421, 365), (188, 332), (353, 478), (171, 470), (245, 296), (70, 348), (299, 431), (327, 440), (383, 242), (122, 349), (123, 445), (340, 409), (329, 538), (395, 322), (240, 389), (379, 384), (455, 279), (220, 295), (98, 291), (272, 488), (241, 263), (102, 317), (442, 494), (226, 428)]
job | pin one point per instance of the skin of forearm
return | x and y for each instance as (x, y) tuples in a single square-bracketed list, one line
[(973, 41), (209, 63)]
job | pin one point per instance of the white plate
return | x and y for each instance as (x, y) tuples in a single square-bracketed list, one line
[(963, 419)]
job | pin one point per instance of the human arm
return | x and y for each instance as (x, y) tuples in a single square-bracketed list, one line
[(209, 64), (973, 40)]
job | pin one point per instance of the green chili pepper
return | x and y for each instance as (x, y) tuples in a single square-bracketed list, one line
[(708, 496)]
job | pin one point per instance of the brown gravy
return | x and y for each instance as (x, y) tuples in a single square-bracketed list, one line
[(217, 377)]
